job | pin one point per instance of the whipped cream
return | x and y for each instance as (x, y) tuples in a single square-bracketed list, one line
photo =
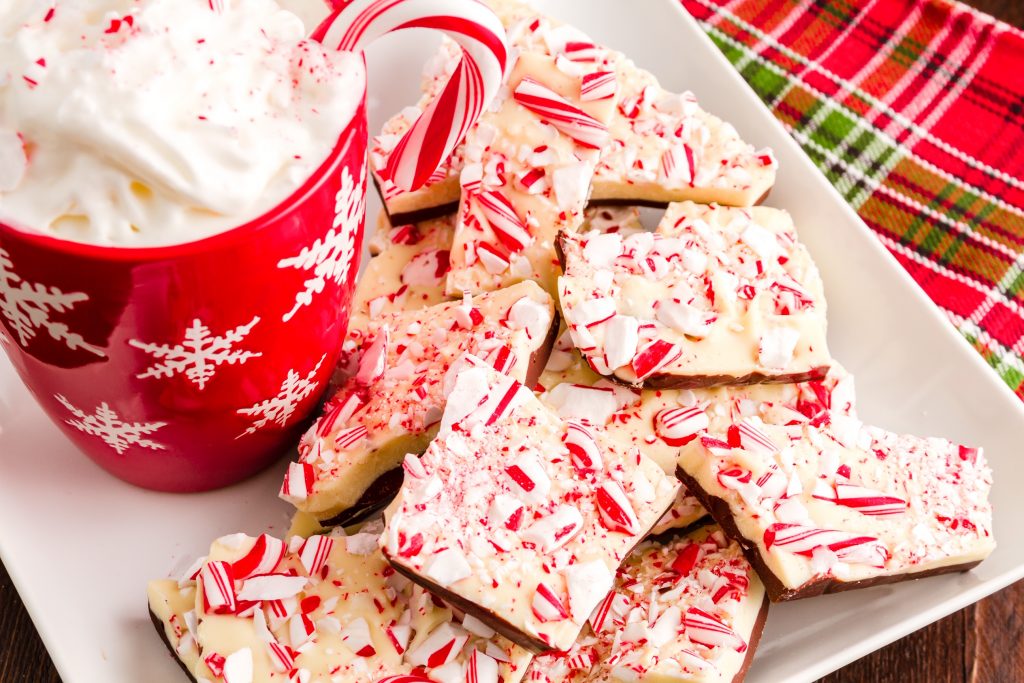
[(154, 122)]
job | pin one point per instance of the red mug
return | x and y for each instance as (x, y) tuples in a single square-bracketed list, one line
[(190, 367)]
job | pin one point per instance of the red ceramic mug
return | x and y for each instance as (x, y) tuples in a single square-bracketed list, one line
[(192, 366)]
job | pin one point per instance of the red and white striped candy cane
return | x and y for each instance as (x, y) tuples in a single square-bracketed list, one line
[(469, 90)]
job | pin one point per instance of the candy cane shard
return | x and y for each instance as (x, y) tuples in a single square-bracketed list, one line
[(841, 505), (662, 146), (527, 173), (354, 621), (472, 85), (538, 538), (699, 300), (688, 609), (391, 405)]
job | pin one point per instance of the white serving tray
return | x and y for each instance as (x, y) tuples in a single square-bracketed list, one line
[(80, 545)]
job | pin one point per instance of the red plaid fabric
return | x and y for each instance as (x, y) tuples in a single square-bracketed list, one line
[(915, 111)]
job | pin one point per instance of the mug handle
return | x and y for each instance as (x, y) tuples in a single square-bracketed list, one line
[(472, 86)]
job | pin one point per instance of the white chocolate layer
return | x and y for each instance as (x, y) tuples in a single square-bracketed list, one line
[(407, 274), (351, 620), (715, 295), (372, 422), (502, 511), (844, 501), (683, 611)]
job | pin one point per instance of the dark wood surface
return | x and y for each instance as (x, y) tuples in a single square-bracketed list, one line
[(983, 643)]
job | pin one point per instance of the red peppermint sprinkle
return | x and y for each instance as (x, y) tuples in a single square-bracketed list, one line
[(298, 481), (654, 357), (684, 562), (615, 510), (679, 426), (442, 646), (409, 546), (506, 224), (547, 606), (714, 446), (218, 588), (215, 662), (502, 358), (733, 477), (348, 438), (481, 668), (802, 540), (598, 85), (705, 629), (340, 410), (399, 635), (583, 449), (262, 558), (868, 501), (314, 552), (582, 51), (748, 437), (560, 113), (373, 362)]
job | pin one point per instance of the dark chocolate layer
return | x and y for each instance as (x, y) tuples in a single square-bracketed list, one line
[(159, 625)]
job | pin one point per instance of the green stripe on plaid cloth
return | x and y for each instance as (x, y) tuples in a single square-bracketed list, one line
[(915, 111)]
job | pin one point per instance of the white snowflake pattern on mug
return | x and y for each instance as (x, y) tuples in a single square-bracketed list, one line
[(107, 425), (199, 354), (330, 259), (278, 410), (27, 307)]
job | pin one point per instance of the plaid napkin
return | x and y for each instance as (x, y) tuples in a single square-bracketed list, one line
[(914, 109)]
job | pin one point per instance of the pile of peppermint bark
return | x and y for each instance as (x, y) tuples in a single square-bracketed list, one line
[(600, 450)]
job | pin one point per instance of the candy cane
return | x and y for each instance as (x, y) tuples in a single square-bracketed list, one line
[(469, 90)]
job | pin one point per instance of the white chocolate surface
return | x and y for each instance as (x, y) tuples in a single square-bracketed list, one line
[(715, 293), (498, 512), (366, 621)]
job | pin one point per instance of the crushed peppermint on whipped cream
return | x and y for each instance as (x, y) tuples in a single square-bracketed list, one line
[(154, 122)]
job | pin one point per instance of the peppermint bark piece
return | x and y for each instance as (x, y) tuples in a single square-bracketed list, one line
[(527, 173), (258, 610), (407, 274), (690, 609), (663, 147), (518, 517), (349, 459), (839, 505), (716, 295)]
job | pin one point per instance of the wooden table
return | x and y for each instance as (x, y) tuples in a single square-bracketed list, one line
[(983, 643)]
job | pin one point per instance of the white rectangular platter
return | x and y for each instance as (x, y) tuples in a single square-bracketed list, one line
[(80, 545)]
